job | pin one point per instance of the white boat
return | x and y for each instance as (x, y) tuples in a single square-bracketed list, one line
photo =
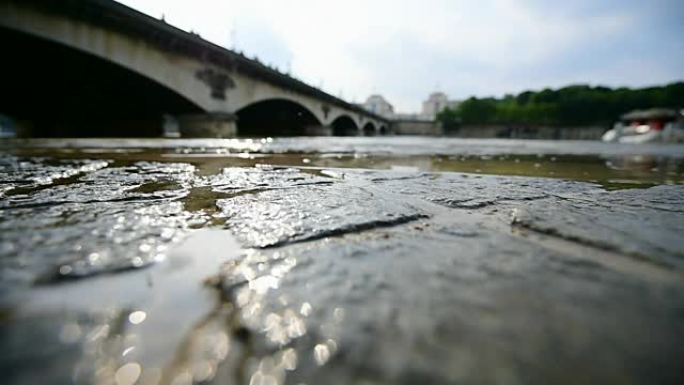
[(647, 126)]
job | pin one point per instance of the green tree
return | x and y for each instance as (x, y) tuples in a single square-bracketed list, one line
[(477, 111), (578, 104), (450, 119)]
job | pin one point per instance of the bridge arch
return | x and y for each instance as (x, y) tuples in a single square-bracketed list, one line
[(383, 130), (369, 129), (344, 125), (77, 93), (169, 69), (275, 117)]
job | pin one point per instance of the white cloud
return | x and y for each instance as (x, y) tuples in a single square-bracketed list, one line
[(404, 49)]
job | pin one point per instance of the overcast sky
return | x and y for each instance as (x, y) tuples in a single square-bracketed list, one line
[(406, 49)]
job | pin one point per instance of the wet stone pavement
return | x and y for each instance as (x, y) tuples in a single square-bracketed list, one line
[(148, 272)]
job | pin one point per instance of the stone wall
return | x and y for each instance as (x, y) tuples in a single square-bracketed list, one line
[(417, 127), (529, 132)]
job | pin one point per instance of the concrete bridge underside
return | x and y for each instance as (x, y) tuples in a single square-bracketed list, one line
[(68, 76)]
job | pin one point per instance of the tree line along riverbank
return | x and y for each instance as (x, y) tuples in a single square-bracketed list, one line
[(571, 106)]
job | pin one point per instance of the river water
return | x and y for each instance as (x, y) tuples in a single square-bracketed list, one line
[(614, 166), (339, 260)]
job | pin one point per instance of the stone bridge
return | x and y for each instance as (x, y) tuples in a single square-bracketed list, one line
[(99, 68)]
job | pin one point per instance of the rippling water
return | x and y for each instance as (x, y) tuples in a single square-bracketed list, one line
[(609, 164), (339, 260)]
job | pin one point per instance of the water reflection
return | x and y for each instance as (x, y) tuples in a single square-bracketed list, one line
[(162, 340), (128, 374), (612, 166), (636, 170)]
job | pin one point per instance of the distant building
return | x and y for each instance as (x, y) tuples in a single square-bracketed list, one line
[(421, 123), (377, 104), (436, 103)]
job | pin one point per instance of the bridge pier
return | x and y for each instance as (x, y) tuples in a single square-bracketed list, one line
[(211, 125)]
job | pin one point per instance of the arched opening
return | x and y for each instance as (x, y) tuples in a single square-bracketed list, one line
[(383, 130), (344, 126), (369, 129), (53, 90), (275, 117)]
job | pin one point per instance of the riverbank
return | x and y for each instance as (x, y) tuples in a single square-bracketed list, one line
[(529, 132)]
